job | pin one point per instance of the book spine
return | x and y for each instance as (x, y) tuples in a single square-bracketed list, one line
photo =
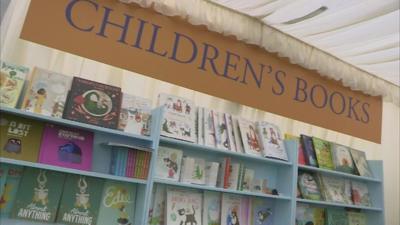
[(231, 135), (137, 164), (146, 163), (237, 135), (227, 172), (128, 164)]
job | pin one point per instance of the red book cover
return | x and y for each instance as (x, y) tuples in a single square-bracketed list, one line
[(227, 172)]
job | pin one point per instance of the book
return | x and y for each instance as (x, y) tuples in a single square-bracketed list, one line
[(324, 154), (309, 152), (336, 217), (211, 173), (47, 93), (221, 130), (248, 179), (245, 210), (39, 195), (168, 163), (262, 211), (200, 126), (231, 133), (183, 207), (237, 135), (93, 103), (11, 177), (231, 209), (12, 80), (301, 158), (342, 159), (179, 117), (117, 203), (309, 187), (20, 137), (211, 208), (356, 218), (272, 141), (210, 139), (333, 188), (135, 115), (250, 139), (360, 194), (66, 147), (80, 202), (306, 215), (360, 160), (233, 179), (193, 170), (158, 205)]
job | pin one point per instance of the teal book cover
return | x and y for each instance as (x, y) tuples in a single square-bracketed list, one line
[(39, 195), (80, 201), (10, 179), (117, 204), (336, 217)]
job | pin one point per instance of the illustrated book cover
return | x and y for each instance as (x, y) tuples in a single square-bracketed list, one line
[(210, 138), (183, 207), (272, 141), (336, 217), (356, 218), (301, 157), (211, 173), (10, 177), (221, 130), (211, 208), (169, 163), (262, 211), (333, 188), (231, 133), (360, 160), (324, 154), (306, 215), (342, 159), (309, 187), (250, 139), (360, 194), (157, 210), (12, 80), (309, 153), (135, 115)]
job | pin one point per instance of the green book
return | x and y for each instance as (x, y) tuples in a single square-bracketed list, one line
[(80, 201), (10, 179), (118, 203), (38, 196), (356, 218), (336, 217), (323, 153)]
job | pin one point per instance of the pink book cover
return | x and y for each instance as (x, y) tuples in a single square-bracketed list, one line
[(66, 147), (129, 167)]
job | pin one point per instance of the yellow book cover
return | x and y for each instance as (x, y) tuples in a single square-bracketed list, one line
[(12, 79)]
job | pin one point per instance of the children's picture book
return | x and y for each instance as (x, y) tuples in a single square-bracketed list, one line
[(47, 93), (306, 215), (179, 117), (20, 137), (210, 138), (211, 208), (80, 202), (262, 211), (237, 135), (324, 154), (157, 216), (301, 157), (231, 209), (360, 194), (333, 188), (12, 79), (10, 180), (117, 203), (231, 133), (342, 159), (183, 207), (336, 217), (360, 160), (211, 173), (135, 115), (168, 163), (357, 218), (94, 103), (233, 179), (309, 153), (39, 195), (309, 187), (200, 125), (250, 139), (272, 141), (193, 171), (221, 129), (66, 147)]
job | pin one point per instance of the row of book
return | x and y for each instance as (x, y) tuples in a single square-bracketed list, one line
[(53, 197), (306, 215), (172, 206), (333, 189), (127, 162)]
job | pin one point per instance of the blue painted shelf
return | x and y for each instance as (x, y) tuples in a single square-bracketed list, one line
[(333, 204)]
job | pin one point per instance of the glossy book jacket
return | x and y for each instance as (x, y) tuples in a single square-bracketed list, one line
[(12, 79)]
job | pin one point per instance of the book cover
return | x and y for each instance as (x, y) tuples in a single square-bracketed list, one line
[(231, 209), (272, 141), (168, 163), (309, 187), (11, 177), (324, 154), (360, 160), (183, 207), (12, 79), (231, 133), (250, 139), (198, 172), (211, 173), (211, 208), (333, 188), (342, 159), (200, 126), (262, 211), (47, 93), (301, 158), (159, 205), (245, 210), (336, 217), (356, 218), (179, 118), (237, 135), (135, 115), (39, 195), (221, 130), (66, 147), (80, 202), (94, 103), (360, 193), (306, 215), (309, 153), (233, 178), (248, 178), (210, 139), (20, 137), (117, 203)]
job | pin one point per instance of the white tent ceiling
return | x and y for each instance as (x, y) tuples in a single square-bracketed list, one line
[(362, 33)]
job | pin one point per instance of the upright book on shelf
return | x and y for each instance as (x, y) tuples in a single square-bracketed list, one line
[(231, 209), (272, 141), (333, 188), (200, 125), (309, 153), (12, 79), (360, 160), (231, 133), (336, 217), (250, 139), (342, 159), (357, 218), (237, 135), (309, 186), (301, 157), (135, 115), (221, 130), (11, 178), (94, 103), (47, 93), (211, 208), (210, 136), (360, 193), (306, 215), (168, 163), (66, 147), (183, 207), (323, 152), (158, 205), (262, 211)]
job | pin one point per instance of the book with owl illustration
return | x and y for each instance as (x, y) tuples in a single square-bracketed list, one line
[(179, 117), (336, 217), (10, 180), (309, 152), (117, 203), (169, 163), (342, 159), (39, 195), (12, 79), (80, 202), (211, 208), (158, 204), (94, 103), (251, 141), (272, 141), (309, 187), (183, 207), (360, 193), (20, 137), (324, 154), (262, 211), (66, 147), (360, 160), (47, 93), (231, 209), (306, 214), (135, 115), (210, 138), (357, 218)]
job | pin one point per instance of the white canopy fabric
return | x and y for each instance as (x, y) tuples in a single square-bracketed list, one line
[(354, 41)]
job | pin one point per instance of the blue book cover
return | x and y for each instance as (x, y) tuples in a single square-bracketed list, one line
[(123, 161), (262, 211), (311, 158)]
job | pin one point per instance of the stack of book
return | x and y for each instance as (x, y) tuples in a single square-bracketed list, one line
[(128, 162)]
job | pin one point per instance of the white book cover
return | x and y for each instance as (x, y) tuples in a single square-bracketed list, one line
[(212, 173), (135, 115), (179, 118), (221, 128), (211, 208), (237, 135), (231, 133), (183, 207), (198, 173), (200, 126), (248, 179), (186, 170), (168, 163), (272, 141), (250, 139), (209, 130), (233, 176), (159, 204), (231, 209)]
